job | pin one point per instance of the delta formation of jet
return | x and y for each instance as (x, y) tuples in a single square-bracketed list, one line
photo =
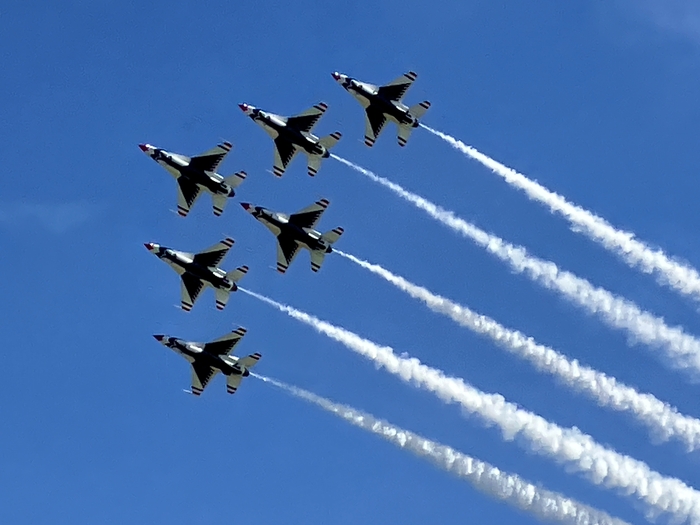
[(200, 270), (194, 174), (293, 134), (199, 173), (208, 359), (384, 102), (297, 231)]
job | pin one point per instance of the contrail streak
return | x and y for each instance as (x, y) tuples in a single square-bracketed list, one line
[(682, 349), (567, 446), (663, 420), (509, 488), (674, 274)]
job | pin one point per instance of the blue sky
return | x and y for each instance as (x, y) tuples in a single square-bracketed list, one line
[(596, 100)]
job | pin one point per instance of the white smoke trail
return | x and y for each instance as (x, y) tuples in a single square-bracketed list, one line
[(567, 446), (677, 275), (682, 349), (664, 420), (509, 488)]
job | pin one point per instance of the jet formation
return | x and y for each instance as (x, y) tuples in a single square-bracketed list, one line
[(198, 174)]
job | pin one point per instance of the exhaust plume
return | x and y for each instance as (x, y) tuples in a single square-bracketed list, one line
[(567, 446), (676, 275), (663, 420), (509, 488), (680, 348)]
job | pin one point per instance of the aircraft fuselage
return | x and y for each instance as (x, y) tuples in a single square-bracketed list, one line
[(195, 353), (210, 181), (279, 225), (369, 98), (183, 263), (276, 127)]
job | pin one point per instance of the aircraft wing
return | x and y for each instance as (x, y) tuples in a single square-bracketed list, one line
[(210, 160), (187, 194), (309, 216), (307, 120), (284, 153), (190, 289), (287, 250), (213, 255), (226, 344), (201, 375), (374, 122), (396, 89)]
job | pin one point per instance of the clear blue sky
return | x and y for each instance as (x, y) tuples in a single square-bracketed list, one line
[(597, 100)]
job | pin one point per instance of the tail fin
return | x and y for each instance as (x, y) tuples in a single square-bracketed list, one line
[(221, 298), (219, 200), (419, 109), (237, 274), (333, 235), (404, 134), (317, 256), (327, 142), (250, 361), (235, 180), (330, 140)]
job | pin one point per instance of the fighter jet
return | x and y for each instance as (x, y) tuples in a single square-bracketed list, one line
[(293, 134), (196, 174), (208, 359), (200, 270), (297, 231), (384, 102)]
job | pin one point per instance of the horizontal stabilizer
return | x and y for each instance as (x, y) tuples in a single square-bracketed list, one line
[(330, 140), (317, 257), (235, 180), (333, 235), (219, 203), (419, 109), (233, 382), (221, 298), (249, 361), (237, 274)]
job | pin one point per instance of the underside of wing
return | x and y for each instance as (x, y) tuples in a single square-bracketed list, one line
[(201, 375), (213, 255), (287, 250), (226, 344), (190, 289), (284, 153), (210, 160), (309, 216), (374, 122), (307, 120), (187, 194), (396, 89)]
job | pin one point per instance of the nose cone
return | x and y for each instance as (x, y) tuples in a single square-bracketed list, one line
[(159, 337), (336, 75), (150, 246), (247, 206), (147, 149), (246, 108)]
